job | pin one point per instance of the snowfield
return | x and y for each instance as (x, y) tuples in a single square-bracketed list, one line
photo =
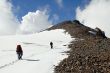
[(38, 57)]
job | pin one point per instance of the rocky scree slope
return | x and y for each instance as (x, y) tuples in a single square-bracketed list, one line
[(89, 53)]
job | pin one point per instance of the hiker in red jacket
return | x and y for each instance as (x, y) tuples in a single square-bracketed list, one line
[(19, 51)]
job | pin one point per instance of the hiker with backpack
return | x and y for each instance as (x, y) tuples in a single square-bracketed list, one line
[(19, 51)]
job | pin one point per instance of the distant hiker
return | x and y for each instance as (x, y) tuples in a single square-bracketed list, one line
[(19, 51), (51, 45)]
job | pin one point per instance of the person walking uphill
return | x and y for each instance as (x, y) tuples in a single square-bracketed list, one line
[(51, 45), (19, 51)]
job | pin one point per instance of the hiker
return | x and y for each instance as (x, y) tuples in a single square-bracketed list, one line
[(19, 51), (51, 45)]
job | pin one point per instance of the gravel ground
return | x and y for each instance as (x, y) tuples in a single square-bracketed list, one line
[(89, 53)]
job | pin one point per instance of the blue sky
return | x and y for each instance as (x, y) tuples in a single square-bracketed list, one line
[(31, 16), (65, 12)]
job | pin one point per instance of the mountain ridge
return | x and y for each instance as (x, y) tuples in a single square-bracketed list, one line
[(89, 53)]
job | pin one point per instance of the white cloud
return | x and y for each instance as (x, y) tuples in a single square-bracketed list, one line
[(31, 22), (8, 22), (96, 14), (35, 22), (59, 2)]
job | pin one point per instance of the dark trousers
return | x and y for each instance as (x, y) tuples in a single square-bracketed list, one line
[(19, 55), (51, 46)]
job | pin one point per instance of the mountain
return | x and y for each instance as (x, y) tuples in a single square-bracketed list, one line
[(78, 30), (89, 53), (76, 49), (38, 57)]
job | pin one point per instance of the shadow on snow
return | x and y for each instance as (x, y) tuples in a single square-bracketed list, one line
[(31, 59)]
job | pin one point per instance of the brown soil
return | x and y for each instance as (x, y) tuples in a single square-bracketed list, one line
[(88, 54)]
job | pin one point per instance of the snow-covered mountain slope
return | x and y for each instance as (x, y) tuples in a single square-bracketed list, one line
[(38, 57)]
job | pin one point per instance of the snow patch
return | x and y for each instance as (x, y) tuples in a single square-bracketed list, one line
[(38, 57)]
